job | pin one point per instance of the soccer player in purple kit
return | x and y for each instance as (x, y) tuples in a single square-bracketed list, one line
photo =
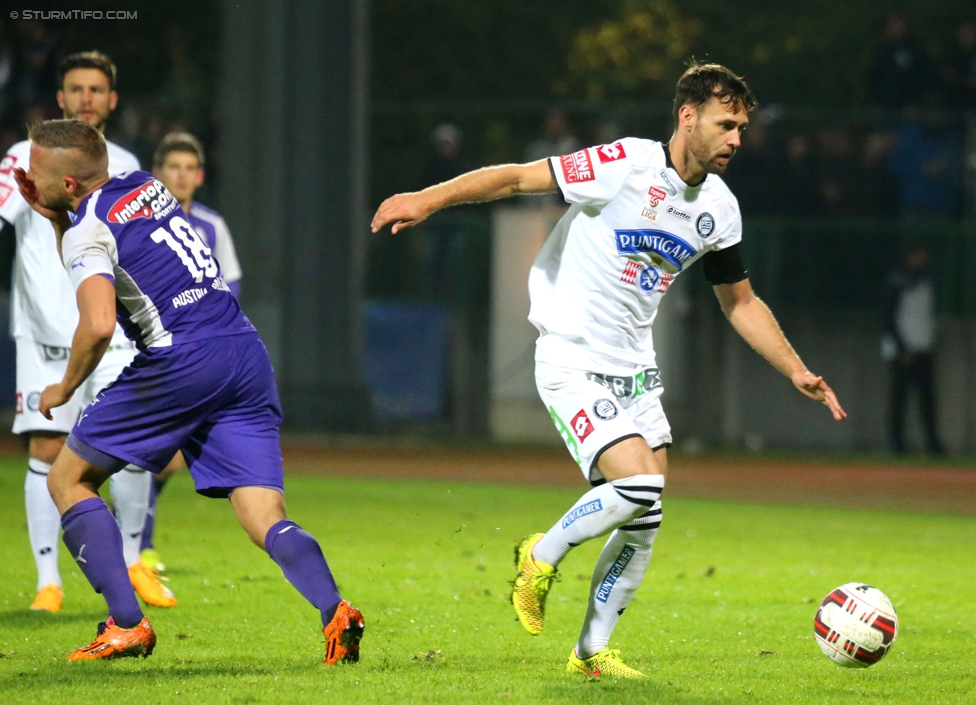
[(202, 383), (179, 164)]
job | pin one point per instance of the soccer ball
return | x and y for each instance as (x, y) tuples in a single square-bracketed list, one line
[(855, 625)]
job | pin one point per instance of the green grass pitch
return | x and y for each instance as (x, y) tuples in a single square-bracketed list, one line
[(725, 614)]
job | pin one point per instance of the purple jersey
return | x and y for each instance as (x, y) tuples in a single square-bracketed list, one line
[(168, 287), (212, 227)]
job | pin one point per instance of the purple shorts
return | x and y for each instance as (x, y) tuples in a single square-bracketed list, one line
[(215, 400)]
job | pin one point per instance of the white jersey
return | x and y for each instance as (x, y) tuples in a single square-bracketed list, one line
[(43, 305), (633, 225)]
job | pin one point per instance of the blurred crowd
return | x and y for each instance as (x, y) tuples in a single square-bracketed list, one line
[(181, 102), (901, 155), (905, 158)]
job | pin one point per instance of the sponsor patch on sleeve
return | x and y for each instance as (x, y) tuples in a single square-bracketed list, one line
[(577, 167), (5, 191), (611, 152), (581, 425)]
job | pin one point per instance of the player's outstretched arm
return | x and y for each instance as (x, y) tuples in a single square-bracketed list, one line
[(489, 184), (753, 320), (96, 326)]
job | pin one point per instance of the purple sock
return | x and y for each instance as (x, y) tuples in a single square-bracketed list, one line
[(155, 487), (302, 562), (93, 537)]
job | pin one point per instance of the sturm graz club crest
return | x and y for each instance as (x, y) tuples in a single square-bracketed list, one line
[(705, 224), (649, 279), (605, 409)]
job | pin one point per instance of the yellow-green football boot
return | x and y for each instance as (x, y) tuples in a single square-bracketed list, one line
[(531, 585), (605, 662)]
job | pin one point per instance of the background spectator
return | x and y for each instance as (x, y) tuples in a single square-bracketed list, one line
[(557, 138), (908, 345), (928, 163), (800, 196), (901, 71), (443, 246), (959, 72)]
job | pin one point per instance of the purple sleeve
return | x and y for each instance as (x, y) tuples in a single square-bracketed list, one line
[(235, 288)]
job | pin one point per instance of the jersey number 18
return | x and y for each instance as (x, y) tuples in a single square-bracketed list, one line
[(188, 246)]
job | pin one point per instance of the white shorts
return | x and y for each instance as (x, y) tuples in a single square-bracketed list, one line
[(40, 365), (593, 411)]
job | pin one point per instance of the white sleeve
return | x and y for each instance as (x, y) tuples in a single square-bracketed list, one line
[(592, 176), (730, 231), (223, 250), (88, 248), (12, 204)]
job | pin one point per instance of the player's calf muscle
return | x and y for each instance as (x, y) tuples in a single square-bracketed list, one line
[(73, 479), (257, 510)]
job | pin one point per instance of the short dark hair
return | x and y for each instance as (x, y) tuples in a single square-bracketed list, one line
[(88, 60), (702, 82), (178, 142), (69, 134)]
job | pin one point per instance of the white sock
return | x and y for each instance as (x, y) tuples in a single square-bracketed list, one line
[(43, 523), (618, 573), (598, 512), (130, 495)]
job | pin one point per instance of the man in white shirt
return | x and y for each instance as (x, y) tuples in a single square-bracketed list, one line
[(44, 316), (640, 213), (908, 346)]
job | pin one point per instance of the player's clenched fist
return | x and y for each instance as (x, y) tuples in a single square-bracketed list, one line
[(403, 210)]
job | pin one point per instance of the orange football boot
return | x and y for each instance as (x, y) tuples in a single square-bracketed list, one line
[(342, 635), (146, 582), (48, 598), (115, 642)]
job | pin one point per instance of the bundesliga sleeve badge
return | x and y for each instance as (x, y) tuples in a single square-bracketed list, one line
[(652, 207)]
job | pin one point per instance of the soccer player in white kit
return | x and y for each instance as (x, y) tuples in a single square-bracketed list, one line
[(640, 213), (44, 317)]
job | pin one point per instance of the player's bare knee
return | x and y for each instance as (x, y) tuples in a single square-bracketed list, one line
[(630, 457)]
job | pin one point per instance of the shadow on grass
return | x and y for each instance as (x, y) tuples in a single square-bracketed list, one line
[(605, 690), (34, 619), (127, 671)]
